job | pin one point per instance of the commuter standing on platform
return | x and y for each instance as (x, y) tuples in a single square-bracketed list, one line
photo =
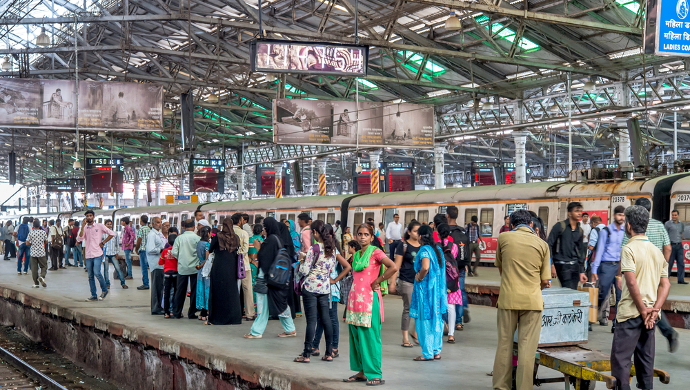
[(506, 225), (460, 238), (522, 259), (402, 283), (304, 220), (169, 263), (36, 241), (155, 243), (657, 235), (586, 226), (184, 250), (140, 248), (77, 254), (646, 287), (69, 243), (475, 234), (569, 249), (91, 234), (675, 231), (243, 250), (128, 238), (608, 256), (110, 253), (10, 249), (24, 253), (394, 234), (429, 300), (224, 298), (592, 243), (365, 308), (55, 244)]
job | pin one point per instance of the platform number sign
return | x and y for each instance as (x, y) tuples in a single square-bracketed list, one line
[(683, 198), (618, 199)]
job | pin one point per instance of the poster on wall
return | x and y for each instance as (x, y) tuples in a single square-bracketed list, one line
[(341, 123), (101, 105), (276, 56)]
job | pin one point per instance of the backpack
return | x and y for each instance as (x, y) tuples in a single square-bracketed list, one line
[(562, 225), (593, 253), (56, 241), (279, 272), (452, 274), (462, 240), (298, 283)]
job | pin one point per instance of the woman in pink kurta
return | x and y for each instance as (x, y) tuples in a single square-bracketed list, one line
[(365, 308)]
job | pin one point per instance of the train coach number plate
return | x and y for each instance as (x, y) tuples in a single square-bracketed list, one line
[(684, 198), (618, 199)]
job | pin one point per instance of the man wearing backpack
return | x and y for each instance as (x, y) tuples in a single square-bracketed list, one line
[(459, 236), (568, 249), (592, 241), (608, 257)]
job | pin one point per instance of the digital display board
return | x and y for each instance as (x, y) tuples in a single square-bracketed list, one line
[(104, 175), (64, 185), (276, 56), (206, 175), (400, 176), (266, 176)]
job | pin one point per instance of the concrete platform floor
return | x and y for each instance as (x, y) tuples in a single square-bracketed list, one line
[(464, 365)]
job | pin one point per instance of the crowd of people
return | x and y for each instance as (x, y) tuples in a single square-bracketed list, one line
[(234, 272)]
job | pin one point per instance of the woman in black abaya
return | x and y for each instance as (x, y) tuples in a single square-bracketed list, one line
[(224, 297)]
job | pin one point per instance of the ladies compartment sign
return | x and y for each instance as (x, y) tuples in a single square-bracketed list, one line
[(668, 27)]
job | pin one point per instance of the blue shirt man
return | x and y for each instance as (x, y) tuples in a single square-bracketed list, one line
[(608, 256), (24, 253), (610, 248), (594, 235)]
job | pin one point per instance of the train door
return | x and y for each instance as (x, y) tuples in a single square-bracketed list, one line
[(661, 198), (388, 216)]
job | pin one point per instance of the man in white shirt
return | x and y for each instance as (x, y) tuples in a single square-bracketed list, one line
[(586, 227), (155, 242), (55, 243), (394, 234)]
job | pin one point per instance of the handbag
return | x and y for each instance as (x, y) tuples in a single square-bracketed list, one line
[(260, 286), (241, 273), (206, 269), (56, 242)]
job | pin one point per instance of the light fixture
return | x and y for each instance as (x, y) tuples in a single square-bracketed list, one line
[(589, 86), (270, 77), (6, 64), (358, 168), (167, 111), (212, 98), (554, 108), (101, 133), (453, 23), (42, 39), (76, 165), (684, 124), (487, 106)]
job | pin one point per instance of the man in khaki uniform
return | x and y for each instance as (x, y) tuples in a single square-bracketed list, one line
[(523, 259), (646, 287)]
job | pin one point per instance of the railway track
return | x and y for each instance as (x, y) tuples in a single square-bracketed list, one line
[(18, 374)]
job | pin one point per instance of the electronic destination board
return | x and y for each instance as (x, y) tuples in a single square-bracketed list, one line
[(104, 175), (206, 175)]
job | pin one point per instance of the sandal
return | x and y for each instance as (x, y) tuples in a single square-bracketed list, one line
[(422, 359), (327, 358), (451, 340), (407, 345), (167, 315), (437, 357), (376, 382), (301, 359), (207, 323), (293, 334), (354, 378), (335, 353), (459, 327), (316, 353)]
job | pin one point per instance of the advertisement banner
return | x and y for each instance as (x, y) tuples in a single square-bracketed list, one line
[(102, 105), (275, 56), (340, 123)]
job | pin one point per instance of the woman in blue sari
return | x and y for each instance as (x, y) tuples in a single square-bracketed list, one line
[(429, 300)]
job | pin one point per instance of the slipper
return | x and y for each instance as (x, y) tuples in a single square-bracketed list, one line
[(422, 359), (293, 334), (407, 345), (301, 359), (354, 378), (335, 353), (376, 382), (251, 336), (437, 358), (459, 327), (327, 358), (451, 340)]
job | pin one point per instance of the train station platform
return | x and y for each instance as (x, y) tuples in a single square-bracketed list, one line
[(119, 340)]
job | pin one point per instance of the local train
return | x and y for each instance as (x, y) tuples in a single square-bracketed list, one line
[(489, 203)]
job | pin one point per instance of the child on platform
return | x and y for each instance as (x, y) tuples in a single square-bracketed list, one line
[(169, 263)]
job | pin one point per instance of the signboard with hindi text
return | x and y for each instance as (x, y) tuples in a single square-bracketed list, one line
[(52, 104), (668, 28), (341, 123)]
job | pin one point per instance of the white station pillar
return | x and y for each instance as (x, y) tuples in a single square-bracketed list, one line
[(240, 185), (439, 178), (136, 194), (520, 138), (158, 192)]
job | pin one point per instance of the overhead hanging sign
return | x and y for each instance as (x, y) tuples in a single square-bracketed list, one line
[(667, 29), (52, 104), (340, 123), (276, 56)]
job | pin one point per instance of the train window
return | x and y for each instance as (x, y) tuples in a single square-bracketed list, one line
[(330, 218), (358, 219), (684, 216), (117, 224), (164, 217), (409, 216), (544, 215), (250, 219), (271, 214), (184, 217), (136, 222), (469, 213), (368, 216), (220, 220), (321, 216), (510, 207), (423, 216), (175, 221), (282, 216), (487, 222), (442, 209), (291, 217), (211, 218), (100, 219)]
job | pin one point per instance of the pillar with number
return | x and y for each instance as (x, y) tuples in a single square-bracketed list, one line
[(322, 177), (439, 179), (520, 156), (374, 162), (158, 193), (279, 180)]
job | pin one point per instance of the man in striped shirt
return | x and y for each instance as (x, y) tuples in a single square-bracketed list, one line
[(110, 250)]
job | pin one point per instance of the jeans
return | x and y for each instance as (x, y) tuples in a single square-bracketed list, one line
[(116, 264), (10, 249), (23, 254), (607, 275), (677, 256), (392, 247), (168, 285), (128, 259), (93, 267), (315, 309), (76, 255), (68, 250), (333, 311), (143, 263)]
